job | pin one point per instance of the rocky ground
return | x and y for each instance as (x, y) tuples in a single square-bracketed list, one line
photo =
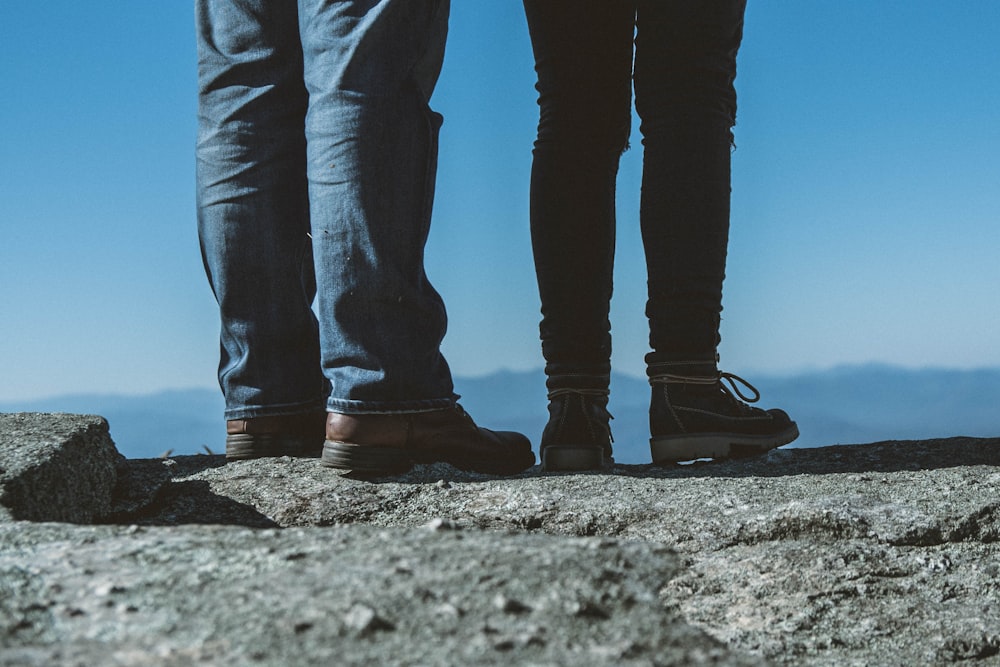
[(882, 554)]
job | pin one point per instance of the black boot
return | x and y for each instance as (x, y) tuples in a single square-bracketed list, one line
[(693, 415), (577, 436)]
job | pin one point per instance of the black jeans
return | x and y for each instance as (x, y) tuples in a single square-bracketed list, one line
[(684, 67)]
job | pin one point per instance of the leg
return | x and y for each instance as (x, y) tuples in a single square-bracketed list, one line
[(370, 67), (253, 219), (583, 57), (684, 73)]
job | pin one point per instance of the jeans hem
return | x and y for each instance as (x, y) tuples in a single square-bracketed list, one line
[(353, 407), (254, 411)]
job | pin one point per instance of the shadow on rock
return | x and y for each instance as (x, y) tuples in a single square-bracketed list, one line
[(880, 457), (193, 502)]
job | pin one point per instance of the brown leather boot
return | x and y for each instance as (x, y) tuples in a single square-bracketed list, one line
[(391, 444), (283, 435)]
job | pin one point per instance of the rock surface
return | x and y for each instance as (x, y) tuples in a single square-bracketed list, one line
[(354, 595), (870, 554), (56, 467)]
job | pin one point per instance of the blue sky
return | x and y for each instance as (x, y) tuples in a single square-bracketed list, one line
[(865, 206)]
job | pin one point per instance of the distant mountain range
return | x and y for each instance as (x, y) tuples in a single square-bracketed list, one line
[(846, 405)]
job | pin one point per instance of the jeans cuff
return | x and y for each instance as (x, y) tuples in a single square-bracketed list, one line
[(254, 411), (353, 407)]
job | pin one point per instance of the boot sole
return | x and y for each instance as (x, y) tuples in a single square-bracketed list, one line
[(242, 446), (371, 460), (674, 448), (562, 458), (365, 460)]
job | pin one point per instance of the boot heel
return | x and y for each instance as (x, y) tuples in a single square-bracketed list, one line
[(365, 459), (560, 458), (240, 446)]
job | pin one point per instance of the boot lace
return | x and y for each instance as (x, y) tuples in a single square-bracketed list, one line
[(733, 391)]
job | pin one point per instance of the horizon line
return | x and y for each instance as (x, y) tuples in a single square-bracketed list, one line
[(757, 374)]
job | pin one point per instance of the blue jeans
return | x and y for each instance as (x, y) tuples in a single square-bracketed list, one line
[(684, 57), (316, 162)]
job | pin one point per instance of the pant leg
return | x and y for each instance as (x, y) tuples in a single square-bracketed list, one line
[(253, 218), (370, 67), (583, 58), (684, 72)]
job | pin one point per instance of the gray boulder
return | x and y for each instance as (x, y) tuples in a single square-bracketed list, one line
[(56, 467)]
